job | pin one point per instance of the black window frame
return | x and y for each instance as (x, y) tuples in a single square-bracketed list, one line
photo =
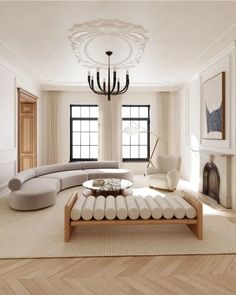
[(71, 130), (148, 133)]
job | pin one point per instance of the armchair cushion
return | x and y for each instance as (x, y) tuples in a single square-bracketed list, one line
[(158, 180), (166, 175)]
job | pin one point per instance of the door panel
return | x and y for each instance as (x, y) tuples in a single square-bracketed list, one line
[(27, 141)]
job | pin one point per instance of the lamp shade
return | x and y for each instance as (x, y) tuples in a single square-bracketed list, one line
[(131, 130)]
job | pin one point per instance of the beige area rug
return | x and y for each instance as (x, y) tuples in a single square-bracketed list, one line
[(40, 234)]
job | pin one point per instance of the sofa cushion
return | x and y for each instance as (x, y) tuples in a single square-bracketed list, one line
[(68, 178), (99, 164), (42, 170), (158, 180), (109, 173), (16, 182), (34, 194)]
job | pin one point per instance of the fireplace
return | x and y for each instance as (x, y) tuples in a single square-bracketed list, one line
[(216, 177), (211, 181)]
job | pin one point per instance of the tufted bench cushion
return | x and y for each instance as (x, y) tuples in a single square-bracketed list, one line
[(135, 210), (136, 206)]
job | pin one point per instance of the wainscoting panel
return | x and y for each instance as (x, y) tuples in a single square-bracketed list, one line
[(7, 170)]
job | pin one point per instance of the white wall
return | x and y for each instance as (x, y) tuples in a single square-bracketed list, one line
[(191, 112), (189, 100), (110, 127), (9, 81), (173, 122)]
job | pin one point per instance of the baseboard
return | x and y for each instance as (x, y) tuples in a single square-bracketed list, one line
[(4, 190)]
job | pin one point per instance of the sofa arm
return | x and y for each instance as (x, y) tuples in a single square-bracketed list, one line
[(150, 171), (173, 179), (16, 182)]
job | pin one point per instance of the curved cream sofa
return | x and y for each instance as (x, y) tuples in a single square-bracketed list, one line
[(37, 188)]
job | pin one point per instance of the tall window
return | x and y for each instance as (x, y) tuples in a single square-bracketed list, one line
[(83, 132), (136, 147)]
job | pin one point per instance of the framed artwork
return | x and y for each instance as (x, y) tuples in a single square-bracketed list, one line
[(214, 107)]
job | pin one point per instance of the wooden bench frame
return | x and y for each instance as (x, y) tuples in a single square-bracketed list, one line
[(195, 225)]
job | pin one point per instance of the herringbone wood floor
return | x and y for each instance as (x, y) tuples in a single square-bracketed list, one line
[(165, 275)]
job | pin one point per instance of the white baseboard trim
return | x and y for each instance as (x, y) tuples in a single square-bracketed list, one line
[(4, 190)]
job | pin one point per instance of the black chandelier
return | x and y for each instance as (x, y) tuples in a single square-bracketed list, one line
[(108, 89)]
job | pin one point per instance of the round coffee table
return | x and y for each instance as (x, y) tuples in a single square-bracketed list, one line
[(107, 186)]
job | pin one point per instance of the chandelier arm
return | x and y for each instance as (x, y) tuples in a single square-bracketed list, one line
[(114, 81), (91, 86), (97, 92), (123, 90), (118, 88), (98, 81), (126, 85)]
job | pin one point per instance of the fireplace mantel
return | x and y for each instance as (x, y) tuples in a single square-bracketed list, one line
[(217, 153)]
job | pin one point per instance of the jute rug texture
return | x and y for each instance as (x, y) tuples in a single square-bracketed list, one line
[(41, 234)]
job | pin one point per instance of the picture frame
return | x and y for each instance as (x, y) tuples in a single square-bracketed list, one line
[(214, 107)]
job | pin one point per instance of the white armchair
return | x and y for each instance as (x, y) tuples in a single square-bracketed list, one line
[(167, 173)]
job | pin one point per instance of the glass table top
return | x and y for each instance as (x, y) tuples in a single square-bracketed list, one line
[(107, 184)]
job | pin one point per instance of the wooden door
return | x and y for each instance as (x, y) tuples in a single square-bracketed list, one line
[(27, 130)]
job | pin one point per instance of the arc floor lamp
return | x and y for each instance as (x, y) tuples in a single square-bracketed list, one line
[(132, 130)]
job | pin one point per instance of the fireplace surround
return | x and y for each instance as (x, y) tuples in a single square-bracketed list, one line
[(215, 176)]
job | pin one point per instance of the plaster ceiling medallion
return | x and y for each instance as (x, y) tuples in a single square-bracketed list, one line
[(90, 41)]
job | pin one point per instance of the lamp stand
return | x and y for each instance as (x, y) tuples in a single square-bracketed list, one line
[(153, 151)]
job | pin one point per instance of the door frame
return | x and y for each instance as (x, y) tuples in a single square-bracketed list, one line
[(25, 96)]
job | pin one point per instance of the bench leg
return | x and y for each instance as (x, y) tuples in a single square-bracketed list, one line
[(67, 226), (196, 229), (68, 231)]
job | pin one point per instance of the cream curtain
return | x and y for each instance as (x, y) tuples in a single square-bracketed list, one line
[(110, 129), (49, 133)]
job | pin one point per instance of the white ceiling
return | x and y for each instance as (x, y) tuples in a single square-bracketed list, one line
[(182, 37)]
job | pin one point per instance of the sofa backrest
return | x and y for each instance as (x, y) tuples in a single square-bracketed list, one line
[(16, 182), (42, 170), (99, 165)]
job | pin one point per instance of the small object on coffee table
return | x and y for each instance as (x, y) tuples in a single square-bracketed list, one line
[(107, 186)]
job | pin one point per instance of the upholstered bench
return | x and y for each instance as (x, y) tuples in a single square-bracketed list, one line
[(132, 210)]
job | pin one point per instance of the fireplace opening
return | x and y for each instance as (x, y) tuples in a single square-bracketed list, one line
[(211, 181)]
